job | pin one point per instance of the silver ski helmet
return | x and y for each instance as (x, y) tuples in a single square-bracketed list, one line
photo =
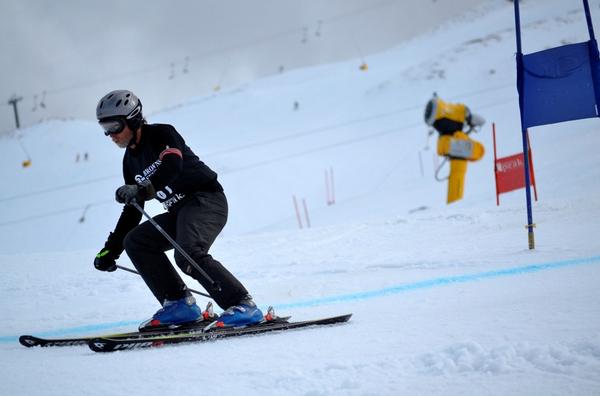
[(120, 103)]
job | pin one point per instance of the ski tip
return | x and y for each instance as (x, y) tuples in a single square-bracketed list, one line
[(28, 341), (339, 319)]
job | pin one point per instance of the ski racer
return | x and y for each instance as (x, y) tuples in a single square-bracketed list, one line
[(158, 164)]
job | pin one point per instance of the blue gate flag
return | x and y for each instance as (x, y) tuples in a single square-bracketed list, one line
[(555, 85), (558, 85)]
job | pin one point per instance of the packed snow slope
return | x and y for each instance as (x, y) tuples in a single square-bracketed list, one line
[(447, 299)]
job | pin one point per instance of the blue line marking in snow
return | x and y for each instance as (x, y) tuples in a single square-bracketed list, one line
[(402, 288), (443, 281)]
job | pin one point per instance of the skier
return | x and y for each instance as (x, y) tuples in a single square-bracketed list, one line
[(158, 164)]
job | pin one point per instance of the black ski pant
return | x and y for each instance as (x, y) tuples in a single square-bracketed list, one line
[(194, 226)]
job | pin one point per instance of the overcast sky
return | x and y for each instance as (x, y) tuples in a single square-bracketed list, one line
[(61, 56)]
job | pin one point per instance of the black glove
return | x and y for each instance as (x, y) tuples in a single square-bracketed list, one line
[(105, 261), (129, 193)]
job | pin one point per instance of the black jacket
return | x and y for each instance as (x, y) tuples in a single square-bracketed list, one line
[(174, 170)]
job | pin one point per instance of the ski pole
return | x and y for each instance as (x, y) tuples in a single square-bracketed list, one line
[(137, 273), (214, 284)]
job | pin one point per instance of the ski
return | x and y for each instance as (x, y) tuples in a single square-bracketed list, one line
[(119, 344), (191, 328), (32, 341)]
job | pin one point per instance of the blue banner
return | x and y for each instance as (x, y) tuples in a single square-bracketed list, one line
[(555, 85), (558, 85)]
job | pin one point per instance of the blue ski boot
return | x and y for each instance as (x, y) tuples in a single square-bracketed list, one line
[(245, 313), (174, 314)]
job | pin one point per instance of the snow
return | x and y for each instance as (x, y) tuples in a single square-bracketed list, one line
[(446, 299)]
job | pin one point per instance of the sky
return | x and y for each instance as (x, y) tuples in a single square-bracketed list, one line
[(61, 57)]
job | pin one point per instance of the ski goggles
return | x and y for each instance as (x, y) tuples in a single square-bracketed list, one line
[(112, 127)]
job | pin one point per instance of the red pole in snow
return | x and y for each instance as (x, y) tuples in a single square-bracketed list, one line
[(327, 191), (332, 187), (306, 213), (531, 165), (297, 212), (495, 164)]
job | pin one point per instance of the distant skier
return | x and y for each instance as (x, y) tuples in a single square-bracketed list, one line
[(158, 164)]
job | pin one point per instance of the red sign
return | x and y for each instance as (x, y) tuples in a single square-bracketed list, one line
[(510, 172)]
